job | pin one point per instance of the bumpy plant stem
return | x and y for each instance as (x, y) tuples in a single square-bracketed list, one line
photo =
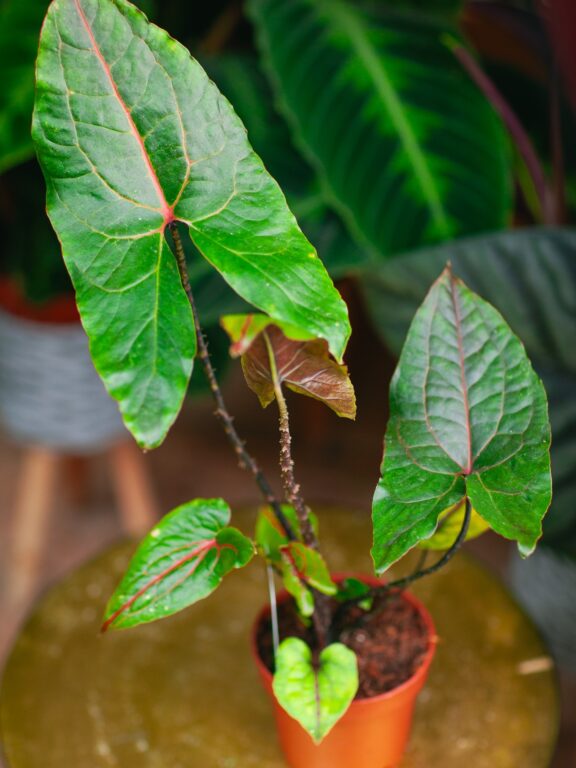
[(291, 487), (245, 459), (321, 617)]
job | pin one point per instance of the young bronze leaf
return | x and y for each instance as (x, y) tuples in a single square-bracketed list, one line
[(468, 418), (132, 136), (243, 330), (317, 695), (182, 560), (277, 352)]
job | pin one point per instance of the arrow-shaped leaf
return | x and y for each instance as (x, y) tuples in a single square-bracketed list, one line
[(468, 417), (317, 695), (277, 353), (182, 560), (132, 136)]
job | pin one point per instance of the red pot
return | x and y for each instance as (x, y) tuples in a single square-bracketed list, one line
[(60, 310), (372, 734)]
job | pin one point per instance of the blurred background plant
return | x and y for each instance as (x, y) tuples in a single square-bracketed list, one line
[(404, 134)]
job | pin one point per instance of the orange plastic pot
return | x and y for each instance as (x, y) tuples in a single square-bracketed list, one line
[(372, 734)]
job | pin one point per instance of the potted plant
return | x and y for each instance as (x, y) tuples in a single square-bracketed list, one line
[(139, 150)]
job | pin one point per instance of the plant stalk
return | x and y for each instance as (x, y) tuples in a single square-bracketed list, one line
[(419, 573), (245, 459), (291, 487), (515, 128), (321, 617)]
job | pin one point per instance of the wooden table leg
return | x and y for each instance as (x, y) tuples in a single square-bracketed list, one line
[(136, 502), (31, 514)]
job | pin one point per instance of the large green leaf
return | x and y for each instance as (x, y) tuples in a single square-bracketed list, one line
[(182, 560), (317, 695), (468, 417), (20, 22), (408, 149), (241, 80), (132, 135), (529, 275)]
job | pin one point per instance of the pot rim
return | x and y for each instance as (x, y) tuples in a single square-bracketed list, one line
[(419, 674)]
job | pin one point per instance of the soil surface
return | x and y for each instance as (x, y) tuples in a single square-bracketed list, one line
[(390, 641)]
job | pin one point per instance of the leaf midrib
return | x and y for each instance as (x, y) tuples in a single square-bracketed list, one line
[(351, 26), (164, 209)]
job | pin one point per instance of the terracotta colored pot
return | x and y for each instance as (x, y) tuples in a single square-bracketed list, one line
[(372, 734), (60, 310)]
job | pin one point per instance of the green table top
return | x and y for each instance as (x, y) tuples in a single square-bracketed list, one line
[(183, 693)]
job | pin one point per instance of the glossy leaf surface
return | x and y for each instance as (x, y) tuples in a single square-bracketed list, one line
[(240, 78), (468, 417), (182, 560), (131, 136), (408, 149), (273, 353), (317, 698), (529, 275)]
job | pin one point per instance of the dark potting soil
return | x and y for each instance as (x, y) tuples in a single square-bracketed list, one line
[(390, 642)]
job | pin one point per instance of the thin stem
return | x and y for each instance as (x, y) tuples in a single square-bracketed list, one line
[(222, 29), (419, 573), (515, 128), (558, 172), (245, 459), (273, 608)]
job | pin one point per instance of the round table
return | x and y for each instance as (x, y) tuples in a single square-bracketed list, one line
[(183, 692)]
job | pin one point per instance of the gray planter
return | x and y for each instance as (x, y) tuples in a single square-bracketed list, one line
[(50, 393)]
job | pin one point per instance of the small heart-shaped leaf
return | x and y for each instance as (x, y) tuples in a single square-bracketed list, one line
[(182, 560), (316, 695)]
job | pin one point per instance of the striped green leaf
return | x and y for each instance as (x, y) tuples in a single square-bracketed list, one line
[(132, 136), (240, 78), (182, 560), (408, 149), (20, 22)]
